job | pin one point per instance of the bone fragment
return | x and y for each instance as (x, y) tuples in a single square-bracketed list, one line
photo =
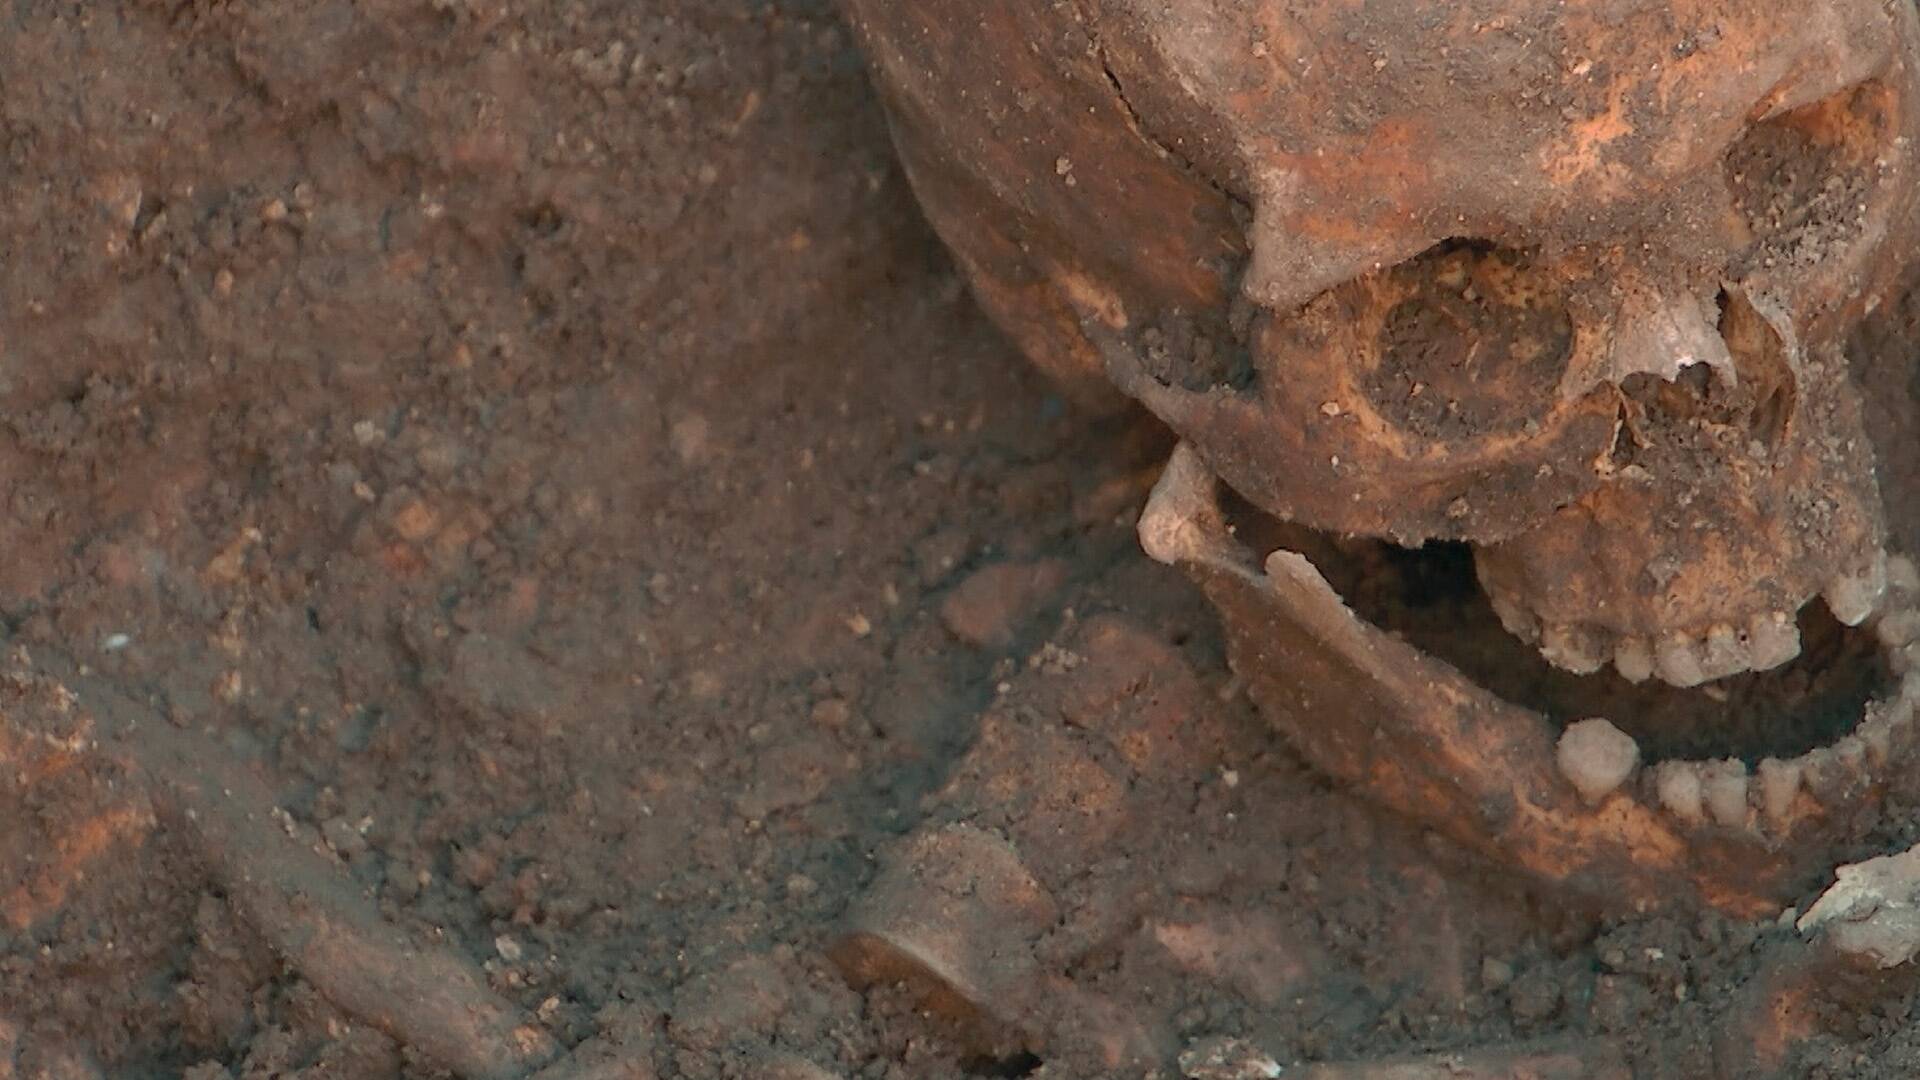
[(1596, 757), (1181, 514), (1586, 1059), (1872, 910), (954, 915), (1663, 337), (423, 995), (1227, 1058)]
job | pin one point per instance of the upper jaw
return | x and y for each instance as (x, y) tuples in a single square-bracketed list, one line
[(1691, 656)]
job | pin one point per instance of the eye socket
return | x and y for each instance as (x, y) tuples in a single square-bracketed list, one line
[(1805, 180), (1474, 342)]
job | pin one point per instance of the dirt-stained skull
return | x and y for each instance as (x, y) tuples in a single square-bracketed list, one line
[(1559, 279), (1565, 281)]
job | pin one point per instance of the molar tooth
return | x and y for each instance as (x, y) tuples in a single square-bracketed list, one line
[(1677, 659), (1596, 757), (1725, 791), (1779, 783), (1633, 657), (1773, 638), (1827, 778), (1574, 648), (1853, 598), (1677, 783), (1723, 654)]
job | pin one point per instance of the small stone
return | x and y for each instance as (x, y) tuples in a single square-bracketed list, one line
[(990, 608), (1495, 973), (1596, 757), (688, 436), (832, 713), (341, 835), (509, 949)]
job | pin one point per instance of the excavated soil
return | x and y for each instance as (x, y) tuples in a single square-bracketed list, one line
[(544, 448)]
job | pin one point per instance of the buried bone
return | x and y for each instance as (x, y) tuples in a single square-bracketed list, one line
[(1429, 743), (1615, 375)]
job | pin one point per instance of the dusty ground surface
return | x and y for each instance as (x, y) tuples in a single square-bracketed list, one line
[(548, 450)]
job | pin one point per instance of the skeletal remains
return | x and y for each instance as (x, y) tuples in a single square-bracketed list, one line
[(1564, 283)]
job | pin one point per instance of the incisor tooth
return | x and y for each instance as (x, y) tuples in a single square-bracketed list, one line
[(1853, 598), (1573, 648), (1723, 654), (1725, 792), (1677, 659), (1677, 783), (1773, 638), (1779, 783), (1633, 657)]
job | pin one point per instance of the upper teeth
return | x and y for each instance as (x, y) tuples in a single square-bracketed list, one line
[(1764, 641)]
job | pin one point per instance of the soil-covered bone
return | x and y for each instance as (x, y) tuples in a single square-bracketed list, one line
[(1569, 290)]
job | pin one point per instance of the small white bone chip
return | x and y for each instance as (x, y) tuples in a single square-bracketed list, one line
[(1596, 757), (1773, 638), (1872, 910)]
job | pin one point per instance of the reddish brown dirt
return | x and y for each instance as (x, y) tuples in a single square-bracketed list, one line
[(549, 443)]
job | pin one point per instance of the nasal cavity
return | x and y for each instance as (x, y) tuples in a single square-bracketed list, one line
[(1749, 385), (1760, 357)]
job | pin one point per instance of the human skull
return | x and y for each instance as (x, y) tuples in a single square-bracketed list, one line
[(1564, 281)]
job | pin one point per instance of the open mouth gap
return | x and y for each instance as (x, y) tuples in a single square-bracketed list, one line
[(1431, 598)]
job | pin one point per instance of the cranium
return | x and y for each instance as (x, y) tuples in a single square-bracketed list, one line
[(1565, 282)]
